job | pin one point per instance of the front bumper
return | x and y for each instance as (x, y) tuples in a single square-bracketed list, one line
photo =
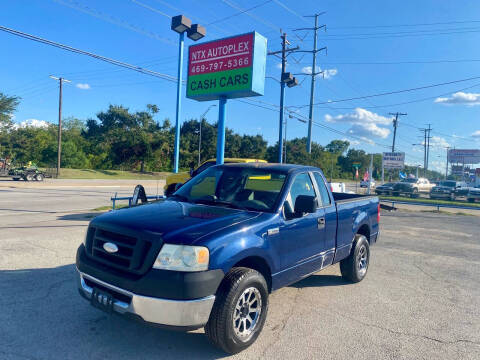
[(183, 314)]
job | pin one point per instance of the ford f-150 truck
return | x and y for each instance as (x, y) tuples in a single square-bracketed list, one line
[(210, 255)]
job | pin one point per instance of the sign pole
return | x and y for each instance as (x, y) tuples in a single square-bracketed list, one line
[(383, 173), (176, 151), (221, 130)]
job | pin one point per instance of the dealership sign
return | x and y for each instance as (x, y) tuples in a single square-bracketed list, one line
[(232, 67), (464, 156), (394, 160)]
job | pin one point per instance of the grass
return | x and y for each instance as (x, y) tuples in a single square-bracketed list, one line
[(109, 207), (110, 174), (430, 201)]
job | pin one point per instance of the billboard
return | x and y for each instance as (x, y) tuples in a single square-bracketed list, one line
[(232, 67), (393, 160), (464, 156)]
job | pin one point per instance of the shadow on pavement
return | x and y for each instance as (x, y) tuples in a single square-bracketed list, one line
[(44, 317), (80, 216), (320, 280)]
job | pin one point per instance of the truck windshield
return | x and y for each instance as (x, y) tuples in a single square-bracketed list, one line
[(410, 180), (236, 187)]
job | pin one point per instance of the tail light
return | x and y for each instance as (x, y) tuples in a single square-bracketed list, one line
[(378, 213), (331, 188)]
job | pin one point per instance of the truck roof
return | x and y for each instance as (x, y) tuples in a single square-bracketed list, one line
[(283, 168)]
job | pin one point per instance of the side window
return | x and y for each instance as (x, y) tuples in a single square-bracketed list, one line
[(322, 188), (202, 168), (302, 185)]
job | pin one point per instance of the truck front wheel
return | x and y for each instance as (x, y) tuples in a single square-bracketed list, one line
[(239, 311), (355, 266)]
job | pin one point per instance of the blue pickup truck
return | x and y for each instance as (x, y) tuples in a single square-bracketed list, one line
[(210, 255)]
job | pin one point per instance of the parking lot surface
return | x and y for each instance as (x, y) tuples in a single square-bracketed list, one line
[(420, 299)]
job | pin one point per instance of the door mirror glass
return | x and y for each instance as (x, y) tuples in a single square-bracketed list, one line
[(305, 204)]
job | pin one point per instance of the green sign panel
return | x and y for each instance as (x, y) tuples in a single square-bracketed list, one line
[(232, 67)]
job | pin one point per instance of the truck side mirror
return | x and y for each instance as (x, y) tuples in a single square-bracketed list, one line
[(305, 204)]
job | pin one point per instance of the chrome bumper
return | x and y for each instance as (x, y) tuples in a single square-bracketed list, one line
[(178, 313)]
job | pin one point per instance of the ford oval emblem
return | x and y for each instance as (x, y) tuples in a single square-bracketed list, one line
[(110, 247)]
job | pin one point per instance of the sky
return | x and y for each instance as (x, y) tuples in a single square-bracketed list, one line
[(373, 47)]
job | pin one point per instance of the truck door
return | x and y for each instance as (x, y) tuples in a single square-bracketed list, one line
[(302, 237), (330, 222)]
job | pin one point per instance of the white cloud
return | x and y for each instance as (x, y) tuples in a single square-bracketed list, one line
[(327, 73), (278, 65), (31, 123), (460, 98), (352, 142), (364, 123), (438, 141), (476, 134), (83, 86)]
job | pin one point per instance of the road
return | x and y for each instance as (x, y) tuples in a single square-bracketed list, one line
[(420, 299)]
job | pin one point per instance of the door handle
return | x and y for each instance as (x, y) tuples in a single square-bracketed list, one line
[(321, 222)]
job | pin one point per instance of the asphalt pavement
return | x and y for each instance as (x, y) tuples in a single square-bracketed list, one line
[(420, 299)]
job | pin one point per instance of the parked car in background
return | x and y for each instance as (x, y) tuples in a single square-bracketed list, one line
[(173, 181), (210, 255), (473, 194), (412, 187), (364, 184), (449, 189), (385, 189)]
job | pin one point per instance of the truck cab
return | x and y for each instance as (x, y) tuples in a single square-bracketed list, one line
[(210, 254)]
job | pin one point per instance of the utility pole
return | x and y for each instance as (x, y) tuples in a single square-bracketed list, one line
[(286, 79), (59, 147), (313, 74), (428, 143), (395, 124)]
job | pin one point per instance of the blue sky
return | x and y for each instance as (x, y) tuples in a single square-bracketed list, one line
[(373, 47)]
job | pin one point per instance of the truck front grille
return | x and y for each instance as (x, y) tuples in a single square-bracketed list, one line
[(131, 250)]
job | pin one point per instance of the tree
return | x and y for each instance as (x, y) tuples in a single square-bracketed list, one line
[(8, 105), (337, 146)]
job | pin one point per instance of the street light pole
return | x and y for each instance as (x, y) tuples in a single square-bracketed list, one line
[(179, 102), (181, 24)]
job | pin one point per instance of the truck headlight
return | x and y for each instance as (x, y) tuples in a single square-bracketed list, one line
[(182, 258)]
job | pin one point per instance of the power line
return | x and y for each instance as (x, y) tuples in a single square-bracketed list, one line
[(113, 20), (405, 62), (393, 92), (405, 25), (82, 52), (245, 11), (403, 32), (281, 4)]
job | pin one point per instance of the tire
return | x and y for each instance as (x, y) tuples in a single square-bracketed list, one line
[(395, 193), (354, 267), (16, 179), (39, 177), (414, 193), (221, 329), (452, 197), (471, 200), (29, 177), (170, 190)]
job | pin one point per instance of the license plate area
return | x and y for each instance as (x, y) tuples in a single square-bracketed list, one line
[(102, 300)]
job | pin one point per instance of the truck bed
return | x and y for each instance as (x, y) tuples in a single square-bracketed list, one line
[(353, 210)]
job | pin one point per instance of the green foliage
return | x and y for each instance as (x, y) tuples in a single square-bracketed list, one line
[(8, 104), (124, 140)]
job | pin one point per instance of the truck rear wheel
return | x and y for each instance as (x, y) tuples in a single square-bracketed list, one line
[(39, 177), (239, 311), (29, 177), (355, 266)]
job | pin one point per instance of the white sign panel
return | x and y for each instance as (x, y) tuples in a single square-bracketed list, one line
[(395, 160), (464, 156)]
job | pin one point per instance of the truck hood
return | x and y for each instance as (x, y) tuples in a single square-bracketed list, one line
[(173, 221)]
